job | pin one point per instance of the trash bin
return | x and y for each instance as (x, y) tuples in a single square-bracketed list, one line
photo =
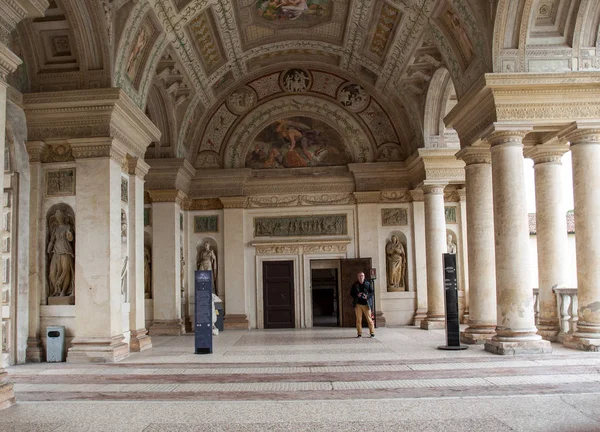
[(55, 344)]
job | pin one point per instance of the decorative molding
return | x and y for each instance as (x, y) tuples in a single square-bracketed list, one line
[(367, 197), (167, 195), (321, 246), (137, 167), (300, 200), (203, 204)]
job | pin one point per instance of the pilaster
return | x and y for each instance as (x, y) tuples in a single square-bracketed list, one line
[(515, 330), (419, 252), (236, 316)]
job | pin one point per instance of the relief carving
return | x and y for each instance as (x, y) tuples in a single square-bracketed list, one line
[(205, 224), (60, 182), (394, 217), (300, 226)]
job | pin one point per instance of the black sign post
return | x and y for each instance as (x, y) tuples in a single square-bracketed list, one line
[(203, 325), (451, 294)]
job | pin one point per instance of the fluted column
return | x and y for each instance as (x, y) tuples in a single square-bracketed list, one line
[(166, 246), (585, 154), (435, 243), (551, 228), (139, 340), (480, 241), (515, 331)]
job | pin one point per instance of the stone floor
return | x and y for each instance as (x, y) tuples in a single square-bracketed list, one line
[(314, 380)]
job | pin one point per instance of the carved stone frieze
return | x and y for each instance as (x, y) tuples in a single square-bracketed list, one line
[(301, 200), (394, 217), (299, 226), (325, 246), (277, 250), (56, 152), (167, 195), (60, 182)]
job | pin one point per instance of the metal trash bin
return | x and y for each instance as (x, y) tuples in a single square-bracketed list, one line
[(55, 344)]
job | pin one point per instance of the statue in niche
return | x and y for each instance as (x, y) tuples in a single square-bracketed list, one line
[(147, 273), (207, 260), (451, 245), (182, 273), (61, 277), (396, 264)]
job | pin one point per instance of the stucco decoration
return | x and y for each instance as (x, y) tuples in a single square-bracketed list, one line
[(355, 138)]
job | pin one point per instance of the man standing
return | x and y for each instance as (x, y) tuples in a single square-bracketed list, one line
[(360, 292)]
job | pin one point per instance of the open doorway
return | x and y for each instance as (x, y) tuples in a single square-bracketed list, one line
[(325, 293)]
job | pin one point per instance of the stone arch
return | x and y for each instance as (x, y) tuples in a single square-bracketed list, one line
[(360, 144), (438, 103), (158, 110)]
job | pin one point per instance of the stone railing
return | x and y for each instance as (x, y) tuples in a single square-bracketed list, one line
[(566, 301)]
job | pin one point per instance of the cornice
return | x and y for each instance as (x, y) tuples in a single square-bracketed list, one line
[(9, 62), (174, 173)]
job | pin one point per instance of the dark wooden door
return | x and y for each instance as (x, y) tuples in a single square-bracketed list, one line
[(349, 268), (278, 294)]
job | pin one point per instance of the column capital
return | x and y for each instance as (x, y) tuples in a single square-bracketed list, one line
[(35, 150), (137, 167), (167, 195), (546, 154), (582, 133), (233, 202), (475, 155), (172, 173), (417, 195), (367, 197), (506, 137), (462, 194), (433, 189), (88, 148)]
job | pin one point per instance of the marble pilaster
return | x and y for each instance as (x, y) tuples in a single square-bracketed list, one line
[(480, 246), (585, 153), (139, 340), (166, 245), (435, 241), (236, 316), (551, 228), (515, 331), (462, 260), (418, 226)]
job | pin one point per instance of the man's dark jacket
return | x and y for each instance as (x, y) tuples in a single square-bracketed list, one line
[(362, 288)]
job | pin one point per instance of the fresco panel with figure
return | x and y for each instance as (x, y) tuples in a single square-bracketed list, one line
[(297, 142), (292, 10)]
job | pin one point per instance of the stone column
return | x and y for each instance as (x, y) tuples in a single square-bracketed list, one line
[(166, 207), (585, 153), (480, 246), (515, 331), (35, 350), (368, 216), (236, 316), (139, 340), (551, 223), (418, 226), (435, 242), (98, 302)]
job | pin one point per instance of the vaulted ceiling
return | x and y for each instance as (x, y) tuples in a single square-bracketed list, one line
[(382, 73)]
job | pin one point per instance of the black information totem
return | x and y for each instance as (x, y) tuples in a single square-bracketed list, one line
[(451, 294), (203, 326)]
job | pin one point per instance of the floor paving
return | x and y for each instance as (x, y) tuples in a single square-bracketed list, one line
[(314, 379)]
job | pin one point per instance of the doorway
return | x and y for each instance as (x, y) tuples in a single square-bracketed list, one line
[(278, 294), (325, 299)]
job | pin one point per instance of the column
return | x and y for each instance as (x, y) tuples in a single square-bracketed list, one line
[(462, 261), (98, 303), (515, 330), (551, 223), (435, 247), (166, 207), (585, 154), (480, 246), (139, 340), (35, 350), (418, 226), (236, 316), (368, 216)]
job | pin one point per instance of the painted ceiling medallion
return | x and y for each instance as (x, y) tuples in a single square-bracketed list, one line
[(296, 80), (353, 97), (241, 100), (294, 12)]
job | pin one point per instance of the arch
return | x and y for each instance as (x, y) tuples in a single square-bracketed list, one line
[(160, 111), (437, 104), (362, 147)]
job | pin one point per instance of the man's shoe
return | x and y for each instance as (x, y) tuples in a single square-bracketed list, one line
[(372, 335), (359, 336)]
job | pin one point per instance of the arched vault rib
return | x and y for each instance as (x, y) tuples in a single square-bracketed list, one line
[(358, 142)]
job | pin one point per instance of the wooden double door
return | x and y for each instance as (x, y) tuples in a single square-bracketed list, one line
[(278, 291)]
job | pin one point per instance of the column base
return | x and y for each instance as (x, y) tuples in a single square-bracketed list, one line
[(465, 318), (97, 350), (235, 322), (139, 341), (167, 328), (433, 323), (7, 395), (548, 332), (380, 319), (477, 335), (35, 352), (420, 316), (517, 347), (581, 343)]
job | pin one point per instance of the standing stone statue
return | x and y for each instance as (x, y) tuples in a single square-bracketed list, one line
[(396, 264), (61, 277), (207, 260), (147, 273), (450, 245)]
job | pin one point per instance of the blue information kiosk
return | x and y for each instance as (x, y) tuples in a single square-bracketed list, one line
[(203, 326)]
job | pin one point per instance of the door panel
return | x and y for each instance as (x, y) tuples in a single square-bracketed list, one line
[(349, 269), (278, 294)]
